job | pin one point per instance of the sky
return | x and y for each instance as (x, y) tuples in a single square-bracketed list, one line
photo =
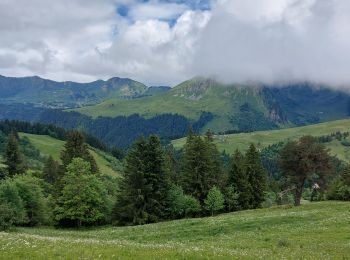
[(164, 42)]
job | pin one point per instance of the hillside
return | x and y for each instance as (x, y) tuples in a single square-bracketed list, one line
[(48, 93), (49, 146), (235, 107), (312, 231), (262, 139)]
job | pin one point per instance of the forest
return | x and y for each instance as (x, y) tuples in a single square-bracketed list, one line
[(159, 183)]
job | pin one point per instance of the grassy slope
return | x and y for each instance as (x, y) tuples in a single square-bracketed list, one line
[(189, 99), (51, 146), (312, 231), (264, 138)]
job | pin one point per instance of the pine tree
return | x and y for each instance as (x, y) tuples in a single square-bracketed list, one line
[(75, 147), (239, 180), (214, 201), (157, 178), (51, 171), (256, 176), (13, 156), (145, 186), (215, 176), (196, 167), (131, 203)]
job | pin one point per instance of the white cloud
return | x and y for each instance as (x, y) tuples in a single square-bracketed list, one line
[(238, 40)]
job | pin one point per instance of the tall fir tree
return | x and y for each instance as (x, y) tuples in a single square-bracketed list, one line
[(157, 179), (13, 156), (145, 185), (215, 176), (51, 171), (75, 147), (196, 167), (256, 176), (239, 180)]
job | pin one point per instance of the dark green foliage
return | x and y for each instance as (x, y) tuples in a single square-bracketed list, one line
[(214, 201), (256, 176), (82, 198), (231, 198), (12, 211), (181, 205), (157, 179), (340, 187), (144, 188), (34, 201), (248, 119), (52, 171), (75, 147), (201, 166), (304, 161), (13, 156), (239, 180)]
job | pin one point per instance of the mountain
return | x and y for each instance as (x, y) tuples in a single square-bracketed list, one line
[(48, 93), (235, 107), (126, 109)]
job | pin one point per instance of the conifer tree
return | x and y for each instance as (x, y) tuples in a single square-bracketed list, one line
[(157, 179), (256, 176), (75, 147), (144, 188), (13, 156), (196, 167), (51, 171), (238, 179)]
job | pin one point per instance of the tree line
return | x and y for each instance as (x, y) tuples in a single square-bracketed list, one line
[(159, 183)]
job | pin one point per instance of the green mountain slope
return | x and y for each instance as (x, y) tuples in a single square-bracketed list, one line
[(312, 231), (49, 146), (50, 93), (262, 139), (189, 99), (235, 107)]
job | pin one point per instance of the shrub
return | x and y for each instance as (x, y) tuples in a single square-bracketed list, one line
[(12, 211), (34, 202)]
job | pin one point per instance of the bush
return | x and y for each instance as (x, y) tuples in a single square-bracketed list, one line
[(12, 211), (34, 202), (181, 205)]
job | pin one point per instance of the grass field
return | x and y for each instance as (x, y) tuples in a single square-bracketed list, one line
[(50, 146), (230, 143), (312, 231)]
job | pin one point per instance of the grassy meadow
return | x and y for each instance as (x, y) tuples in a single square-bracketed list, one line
[(50, 146), (230, 143), (313, 231)]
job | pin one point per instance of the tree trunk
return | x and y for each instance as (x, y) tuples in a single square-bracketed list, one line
[(298, 194)]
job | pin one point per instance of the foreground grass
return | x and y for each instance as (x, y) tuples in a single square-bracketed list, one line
[(48, 145), (313, 231), (262, 139)]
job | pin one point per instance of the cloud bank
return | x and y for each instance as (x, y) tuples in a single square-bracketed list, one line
[(166, 42)]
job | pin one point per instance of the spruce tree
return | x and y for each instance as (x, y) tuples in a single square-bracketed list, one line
[(130, 208), (157, 179), (256, 176), (238, 179), (13, 156), (75, 147), (51, 171), (144, 188), (215, 176), (196, 168)]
